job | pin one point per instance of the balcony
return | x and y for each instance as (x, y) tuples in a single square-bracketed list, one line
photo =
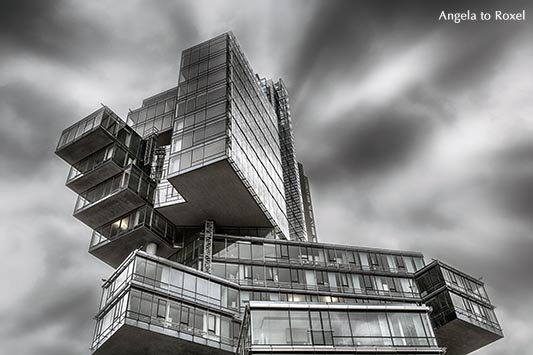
[(114, 197), (114, 241), (98, 167), (89, 135)]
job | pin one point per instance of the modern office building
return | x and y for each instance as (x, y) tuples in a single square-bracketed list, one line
[(198, 203)]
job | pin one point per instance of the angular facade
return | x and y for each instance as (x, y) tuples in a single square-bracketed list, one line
[(199, 204)]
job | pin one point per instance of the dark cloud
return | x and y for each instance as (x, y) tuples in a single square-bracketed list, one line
[(364, 160), (35, 120), (513, 193), (369, 144), (50, 28), (510, 184), (342, 33)]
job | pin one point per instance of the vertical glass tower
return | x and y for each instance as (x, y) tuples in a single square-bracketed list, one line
[(199, 204)]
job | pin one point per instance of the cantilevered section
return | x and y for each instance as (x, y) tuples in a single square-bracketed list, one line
[(114, 197), (222, 115), (98, 167), (463, 317), (91, 134), (133, 337), (300, 328), (152, 306), (114, 241), (217, 191)]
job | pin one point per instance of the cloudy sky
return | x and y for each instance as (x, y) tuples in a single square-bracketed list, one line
[(416, 134)]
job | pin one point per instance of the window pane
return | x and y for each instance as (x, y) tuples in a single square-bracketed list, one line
[(300, 328), (270, 327), (341, 328)]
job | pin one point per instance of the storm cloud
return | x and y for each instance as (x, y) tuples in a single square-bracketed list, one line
[(415, 133)]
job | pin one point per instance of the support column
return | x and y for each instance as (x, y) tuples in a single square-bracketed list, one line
[(209, 230), (151, 248)]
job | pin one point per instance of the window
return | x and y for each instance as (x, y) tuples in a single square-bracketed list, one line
[(340, 327), (364, 260), (400, 262), (332, 258), (294, 276), (282, 251), (270, 251), (257, 252), (258, 273), (161, 308), (186, 159), (271, 273), (407, 329), (174, 164), (284, 275), (245, 251), (370, 328), (232, 271), (368, 282), (320, 328), (374, 260), (216, 110), (197, 154), (173, 312), (300, 327), (215, 148), (310, 279), (185, 312), (212, 324), (135, 302), (270, 327), (146, 304), (409, 264), (215, 129), (321, 278), (216, 94)]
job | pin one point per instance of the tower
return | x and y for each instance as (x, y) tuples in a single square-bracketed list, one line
[(198, 203)]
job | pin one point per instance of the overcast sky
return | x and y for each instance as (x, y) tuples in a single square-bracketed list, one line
[(416, 134)]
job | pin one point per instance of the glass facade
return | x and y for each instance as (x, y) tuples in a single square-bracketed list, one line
[(279, 98), (166, 194), (255, 146), (99, 119), (453, 294), (186, 303), (334, 327), (144, 216), (199, 135), (132, 178), (113, 153), (328, 256), (155, 115), (199, 204), (277, 270), (308, 205)]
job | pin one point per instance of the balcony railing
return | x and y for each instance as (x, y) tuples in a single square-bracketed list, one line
[(92, 134), (114, 197), (94, 161), (143, 216), (131, 178), (98, 167)]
